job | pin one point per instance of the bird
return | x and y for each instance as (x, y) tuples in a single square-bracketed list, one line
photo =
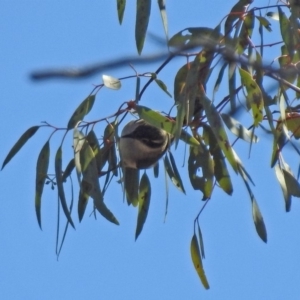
[(141, 145)]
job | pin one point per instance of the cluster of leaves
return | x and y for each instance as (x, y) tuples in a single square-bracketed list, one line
[(200, 121)]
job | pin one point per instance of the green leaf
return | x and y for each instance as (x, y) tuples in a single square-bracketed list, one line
[(175, 171), (82, 110), (19, 144), (111, 82), (144, 202), (143, 9), (70, 167), (286, 195), (60, 188), (121, 8), (264, 22), (217, 127), (171, 174), (189, 139), (259, 221), (256, 214), (91, 182), (292, 184), (286, 32), (162, 85), (83, 199), (254, 96), (162, 9), (201, 244), (200, 159), (156, 119), (220, 169), (238, 129), (41, 175), (131, 185), (197, 261)]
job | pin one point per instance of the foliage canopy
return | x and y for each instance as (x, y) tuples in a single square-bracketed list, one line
[(232, 54)]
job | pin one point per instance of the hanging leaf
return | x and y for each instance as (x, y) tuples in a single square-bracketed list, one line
[(292, 184), (162, 9), (19, 144), (220, 169), (197, 261), (131, 185), (176, 181), (217, 127), (41, 175), (91, 182), (121, 8), (175, 171), (286, 195), (143, 9), (70, 167), (82, 110), (201, 244), (254, 96), (264, 22), (286, 32), (256, 214), (144, 202), (259, 221), (60, 188), (162, 85), (189, 139), (200, 161), (238, 129), (111, 82), (83, 199)]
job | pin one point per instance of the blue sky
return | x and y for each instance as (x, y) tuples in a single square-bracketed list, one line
[(100, 260)]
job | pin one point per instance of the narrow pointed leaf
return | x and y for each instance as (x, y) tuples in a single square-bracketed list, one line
[(70, 167), (175, 170), (254, 96), (197, 261), (171, 173), (220, 169), (189, 139), (83, 199), (121, 8), (19, 144), (162, 9), (143, 10), (162, 85), (287, 196), (238, 129), (111, 82), (259, 221), (144, 202), (82, 110), (217, 127), (60, 187), (292, 184), (41, 175), (92, 186), (131, 185), (201, 243)]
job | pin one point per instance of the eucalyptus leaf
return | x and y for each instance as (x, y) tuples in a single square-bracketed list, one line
[(19, 144), (144, 202), (60, 188), (111, 82), (41, 175), (197, 261), (121, 8)]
